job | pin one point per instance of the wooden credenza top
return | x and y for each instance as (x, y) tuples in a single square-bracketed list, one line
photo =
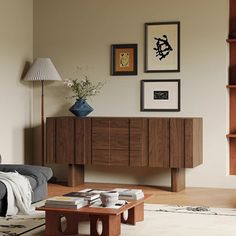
[(125, 117)]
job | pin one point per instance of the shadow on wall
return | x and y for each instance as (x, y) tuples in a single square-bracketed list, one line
[(32, 146), (33, 152), (32, 136), (25, 70)]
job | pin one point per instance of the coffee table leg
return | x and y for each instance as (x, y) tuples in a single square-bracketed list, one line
[(72, 222), (110, 225), (135, 214), (53, 224)]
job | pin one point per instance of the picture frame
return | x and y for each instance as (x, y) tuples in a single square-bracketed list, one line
[(124, 59), (160, 95), (162, 47)]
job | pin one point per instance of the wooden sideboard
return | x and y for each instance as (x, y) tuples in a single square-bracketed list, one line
[(174, 143)]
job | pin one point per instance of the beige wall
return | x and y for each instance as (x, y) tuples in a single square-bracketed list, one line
[(79, 33), (16, 48)]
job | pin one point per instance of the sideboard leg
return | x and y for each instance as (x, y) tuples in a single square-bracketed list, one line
[(75, 175), (177, 179)]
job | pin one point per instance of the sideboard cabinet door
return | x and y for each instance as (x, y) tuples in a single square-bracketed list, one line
[(159, 142), (110, 141), (177, 140), (185, 142), (100, 141), (193, 142), (119, 141), (68, 140), (60, 140), (138, 142), (65, 141), (83, 141)]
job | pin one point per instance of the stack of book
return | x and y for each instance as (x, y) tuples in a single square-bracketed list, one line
[(129, 194), (89, 195), (65, 202)]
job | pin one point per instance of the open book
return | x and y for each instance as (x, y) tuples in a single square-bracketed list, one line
[(118, 204)]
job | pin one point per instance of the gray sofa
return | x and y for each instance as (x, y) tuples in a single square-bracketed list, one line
[(38, 177)]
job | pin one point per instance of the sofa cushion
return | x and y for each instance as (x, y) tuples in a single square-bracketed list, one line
[(32, 181), (40, 173)]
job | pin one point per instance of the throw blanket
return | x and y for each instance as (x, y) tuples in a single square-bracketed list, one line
[(18, 193)]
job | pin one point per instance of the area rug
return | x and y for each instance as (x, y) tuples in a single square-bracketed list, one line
[(12, 226), (163, 220), (22, 224)]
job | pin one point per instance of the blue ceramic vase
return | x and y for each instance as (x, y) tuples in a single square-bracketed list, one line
[(81, 108)]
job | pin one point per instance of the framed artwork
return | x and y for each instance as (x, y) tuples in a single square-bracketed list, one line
[(124, 59), (160, 95), (162, 47)]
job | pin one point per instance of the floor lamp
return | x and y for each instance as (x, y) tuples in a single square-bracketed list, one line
[(42, 70)]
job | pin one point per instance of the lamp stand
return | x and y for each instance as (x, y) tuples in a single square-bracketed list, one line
[(41, 70), (42, 121)]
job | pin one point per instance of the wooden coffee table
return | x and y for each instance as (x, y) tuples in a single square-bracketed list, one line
[(111, 218)]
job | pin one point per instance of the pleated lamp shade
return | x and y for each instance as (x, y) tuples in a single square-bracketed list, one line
[(42, 69)]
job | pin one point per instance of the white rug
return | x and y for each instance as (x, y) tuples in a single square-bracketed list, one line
[(164, 220), (22, 224), (12, 226)]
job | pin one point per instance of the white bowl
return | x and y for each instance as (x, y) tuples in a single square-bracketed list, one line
[(109, 198)]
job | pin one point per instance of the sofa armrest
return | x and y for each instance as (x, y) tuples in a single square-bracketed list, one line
[(41, 173)]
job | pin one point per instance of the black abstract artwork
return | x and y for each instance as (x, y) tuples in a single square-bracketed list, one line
[(160, 95), (163, 47)]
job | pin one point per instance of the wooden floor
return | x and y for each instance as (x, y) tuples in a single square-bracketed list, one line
[(190, 196)]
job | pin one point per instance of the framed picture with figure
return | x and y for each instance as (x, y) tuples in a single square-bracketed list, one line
[(160, 95), (124, 59), (162, 47)]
